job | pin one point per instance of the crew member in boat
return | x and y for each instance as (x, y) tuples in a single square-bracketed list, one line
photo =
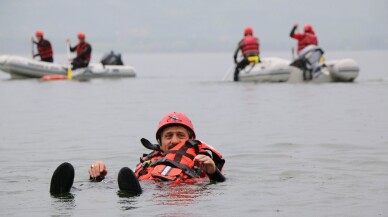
[(311, 67), (250, 49), (304, 39), (178, 157), (83, 50), (45, 51)]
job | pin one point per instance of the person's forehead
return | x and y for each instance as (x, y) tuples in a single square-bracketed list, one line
[(174, 128)]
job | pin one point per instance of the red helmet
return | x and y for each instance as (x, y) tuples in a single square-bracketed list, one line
[(308, 28), (39, 33), (248, 31), (81, 35), (175, 118)]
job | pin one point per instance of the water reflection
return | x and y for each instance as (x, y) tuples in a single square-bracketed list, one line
[(127, 201), (63, 203), (179, 194), (166, 193)]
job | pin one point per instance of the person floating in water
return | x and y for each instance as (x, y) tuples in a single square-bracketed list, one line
[(45, 51), (177, 157), (250, 49)]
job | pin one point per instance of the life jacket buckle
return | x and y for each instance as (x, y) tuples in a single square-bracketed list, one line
[(253, 59)]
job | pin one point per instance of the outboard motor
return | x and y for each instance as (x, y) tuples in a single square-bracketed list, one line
[(309, 60), (111, 59)]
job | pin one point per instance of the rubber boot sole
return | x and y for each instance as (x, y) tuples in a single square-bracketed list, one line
[(62, 179), (128, 181)]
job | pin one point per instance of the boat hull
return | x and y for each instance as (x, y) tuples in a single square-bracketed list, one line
[(344, 70), (273, 69), (107, 71), (20, 67), (270, 69)]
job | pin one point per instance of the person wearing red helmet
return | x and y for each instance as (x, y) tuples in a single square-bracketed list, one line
[(177, 157), (83, 50), (250, 49), (304, 39), (45, 51)]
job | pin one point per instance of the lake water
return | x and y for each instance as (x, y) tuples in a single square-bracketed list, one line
[(290, 149)]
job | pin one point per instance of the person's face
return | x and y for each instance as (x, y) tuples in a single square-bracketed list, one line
[(171, 136), (38, 38)]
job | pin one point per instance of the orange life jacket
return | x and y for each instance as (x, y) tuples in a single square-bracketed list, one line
[(177, 164), (250, 46), (307, 39), (80, 47), (44, 49)]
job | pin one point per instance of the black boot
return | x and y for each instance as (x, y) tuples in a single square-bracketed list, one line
[(62, 179), (235, 78), (128, 181)]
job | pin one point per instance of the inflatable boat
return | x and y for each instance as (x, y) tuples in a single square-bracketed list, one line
[(20, 67), (308, 67)]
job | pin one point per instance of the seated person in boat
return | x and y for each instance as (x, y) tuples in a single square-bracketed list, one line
[(84, 52), (250, 49), (177, 157), (45, 51), (304, 39)]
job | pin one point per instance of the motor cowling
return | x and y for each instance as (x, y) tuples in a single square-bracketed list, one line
[(112, 58), (311, 54), (310, 61)]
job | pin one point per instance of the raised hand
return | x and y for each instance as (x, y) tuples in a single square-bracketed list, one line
[(98, 170)]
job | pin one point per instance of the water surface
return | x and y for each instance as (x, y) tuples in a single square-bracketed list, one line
[(290, 149)]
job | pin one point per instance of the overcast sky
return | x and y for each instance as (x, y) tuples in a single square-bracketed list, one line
[(192, 26)]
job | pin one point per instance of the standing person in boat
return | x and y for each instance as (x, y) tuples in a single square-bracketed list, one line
[(83, 50), (178, 157), (45, 51), (310, 67), (250, 49), (304, 39)]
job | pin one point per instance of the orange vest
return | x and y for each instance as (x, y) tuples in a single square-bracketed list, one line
[(308, 39), (80, 48), (177, 164), (44, 49), (250, 45)]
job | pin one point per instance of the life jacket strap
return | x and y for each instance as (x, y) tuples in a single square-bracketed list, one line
[(183, 150), (190, 172)]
